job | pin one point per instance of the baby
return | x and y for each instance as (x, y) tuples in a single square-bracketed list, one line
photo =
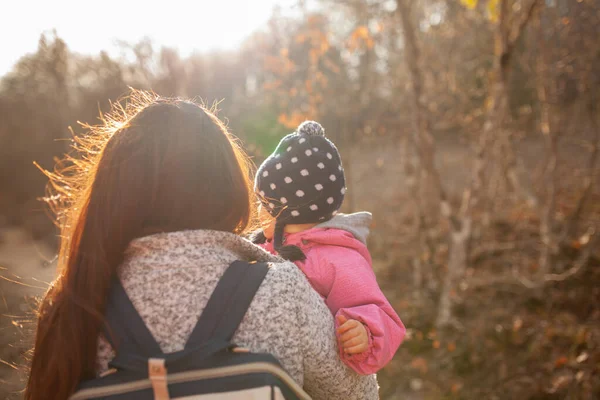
[(301, 187)]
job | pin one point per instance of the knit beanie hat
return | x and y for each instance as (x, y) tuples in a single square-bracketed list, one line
[(302, 181)]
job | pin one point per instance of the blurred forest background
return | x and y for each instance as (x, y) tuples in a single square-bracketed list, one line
[(471, 129)]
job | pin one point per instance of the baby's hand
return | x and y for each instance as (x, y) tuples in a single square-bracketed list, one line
[(353, 335)]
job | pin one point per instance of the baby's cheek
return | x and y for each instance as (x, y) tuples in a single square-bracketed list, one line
[(269, 229)]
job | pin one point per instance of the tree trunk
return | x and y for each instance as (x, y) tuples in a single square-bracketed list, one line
[(460, 221), (422, 131), (547, 218), (549, 244), (412, 180), (506, 38), (460, 229), (457, 262)]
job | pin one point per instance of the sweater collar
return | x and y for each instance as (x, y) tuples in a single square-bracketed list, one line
[(209, 243)]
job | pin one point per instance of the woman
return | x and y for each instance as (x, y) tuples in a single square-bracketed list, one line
[(158, 198)]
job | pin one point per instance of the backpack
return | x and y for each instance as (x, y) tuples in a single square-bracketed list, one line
[(210, 367)]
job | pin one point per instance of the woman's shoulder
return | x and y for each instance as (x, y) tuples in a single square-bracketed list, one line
[(286, 288), (283, 270), (285, 276), (288, 291)]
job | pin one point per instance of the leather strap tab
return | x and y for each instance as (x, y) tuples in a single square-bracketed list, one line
[(157, 372)]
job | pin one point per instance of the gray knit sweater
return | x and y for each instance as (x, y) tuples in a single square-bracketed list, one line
[(170, 276)]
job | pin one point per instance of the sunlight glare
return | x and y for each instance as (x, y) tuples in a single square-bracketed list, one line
[(184, 25)]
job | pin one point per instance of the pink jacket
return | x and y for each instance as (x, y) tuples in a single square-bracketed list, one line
[(339, 268)]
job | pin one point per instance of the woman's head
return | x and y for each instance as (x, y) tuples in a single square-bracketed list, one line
[(161, 165), (155, 165)]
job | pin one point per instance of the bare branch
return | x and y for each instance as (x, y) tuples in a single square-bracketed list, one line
[(579, 264), (520, 28), (491, 248), (422, 130), (505, 44)]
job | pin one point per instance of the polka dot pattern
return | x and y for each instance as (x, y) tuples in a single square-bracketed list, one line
[(304, 178)]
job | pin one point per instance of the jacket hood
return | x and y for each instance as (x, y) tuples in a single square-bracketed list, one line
[(357, 224)]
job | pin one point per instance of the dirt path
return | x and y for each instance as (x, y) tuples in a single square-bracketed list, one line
[(26, 268)]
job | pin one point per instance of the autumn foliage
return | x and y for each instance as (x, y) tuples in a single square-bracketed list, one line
[(471, 130)]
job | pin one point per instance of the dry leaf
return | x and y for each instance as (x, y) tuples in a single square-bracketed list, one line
[(470, 4), (493, 10), (361, 32), (416, 385), (560, 383), (582, 357), (560, 361), (419, 363), (456, 387), (517, 324)]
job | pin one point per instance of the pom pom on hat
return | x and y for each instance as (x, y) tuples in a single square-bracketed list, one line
[(310, 128)]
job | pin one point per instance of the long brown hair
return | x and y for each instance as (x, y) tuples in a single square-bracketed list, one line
[(153, 165)]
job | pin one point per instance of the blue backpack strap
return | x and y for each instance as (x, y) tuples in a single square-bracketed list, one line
[(228, 303), (125, 328), (134, 344)]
